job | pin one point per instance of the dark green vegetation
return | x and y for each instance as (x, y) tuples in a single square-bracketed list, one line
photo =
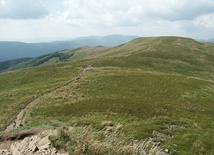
[(30, 62), (81, 53), (144, 85), (7, 65)]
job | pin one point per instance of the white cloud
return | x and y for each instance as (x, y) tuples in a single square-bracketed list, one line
[(179, 10), (2, 3), (205, 20), (70, 18), (21, 9), (129, 12)]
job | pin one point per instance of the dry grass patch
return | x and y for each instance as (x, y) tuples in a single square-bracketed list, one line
[(109, 140)]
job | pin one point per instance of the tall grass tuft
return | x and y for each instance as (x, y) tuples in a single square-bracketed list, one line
[(109, 140)]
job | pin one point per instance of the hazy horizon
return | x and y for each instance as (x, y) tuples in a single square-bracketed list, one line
[(61, 39), (46, 39)]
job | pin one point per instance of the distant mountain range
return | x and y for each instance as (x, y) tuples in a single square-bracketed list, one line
[(211, 40), (13, 50)]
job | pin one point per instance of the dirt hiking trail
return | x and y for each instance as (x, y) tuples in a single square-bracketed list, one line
[(21, 117)]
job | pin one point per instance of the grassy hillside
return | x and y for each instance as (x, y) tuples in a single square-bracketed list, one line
[(14, 50), (30, 62), (86, 52), (149, 85), (81, 53), (7, 65), (164, 54)]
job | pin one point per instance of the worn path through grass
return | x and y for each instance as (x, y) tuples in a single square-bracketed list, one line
[(21, 117)]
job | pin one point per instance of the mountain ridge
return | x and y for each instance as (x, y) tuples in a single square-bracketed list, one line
[(12, 50), (175, 53)]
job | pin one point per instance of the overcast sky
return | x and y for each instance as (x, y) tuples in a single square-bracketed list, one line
[(24, 19)]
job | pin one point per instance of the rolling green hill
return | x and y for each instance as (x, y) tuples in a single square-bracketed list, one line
[(14, 50), (81, 53), (151, 86)]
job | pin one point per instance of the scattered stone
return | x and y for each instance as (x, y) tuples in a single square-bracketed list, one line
[(161, 136), (166, 150), (173, 127), (5, 152), (35, 149), (34, 145)]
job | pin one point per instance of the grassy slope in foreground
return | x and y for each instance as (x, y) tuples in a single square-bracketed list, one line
[(141, 101), (21, 87), (143, 85)]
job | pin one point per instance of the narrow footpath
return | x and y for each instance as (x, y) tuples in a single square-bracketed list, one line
[(21, 117)]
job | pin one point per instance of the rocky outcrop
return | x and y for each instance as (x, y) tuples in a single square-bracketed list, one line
[(38, 144)]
